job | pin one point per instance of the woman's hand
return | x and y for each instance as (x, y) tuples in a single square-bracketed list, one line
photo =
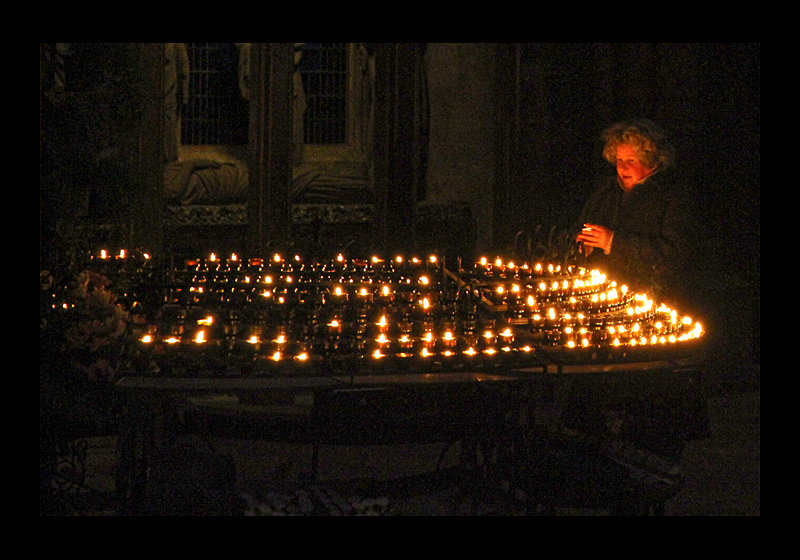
[(593, 235)]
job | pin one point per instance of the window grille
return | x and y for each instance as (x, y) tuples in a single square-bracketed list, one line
[(323, 67), (216, 112)]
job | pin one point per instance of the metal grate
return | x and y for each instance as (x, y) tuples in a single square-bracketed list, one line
[(323, 67), (216, 112)]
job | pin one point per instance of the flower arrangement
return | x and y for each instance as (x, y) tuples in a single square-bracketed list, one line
[(83, 328), (95, 338)]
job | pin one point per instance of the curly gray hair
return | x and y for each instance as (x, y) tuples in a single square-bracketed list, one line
[(645, 137)]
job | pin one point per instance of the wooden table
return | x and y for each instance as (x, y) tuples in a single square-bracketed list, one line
[(318, 410), (383, 407)]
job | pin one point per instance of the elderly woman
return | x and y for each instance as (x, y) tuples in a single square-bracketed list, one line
[(635, 227)]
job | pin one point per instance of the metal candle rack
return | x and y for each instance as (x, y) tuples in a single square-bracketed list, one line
[(288, 315)]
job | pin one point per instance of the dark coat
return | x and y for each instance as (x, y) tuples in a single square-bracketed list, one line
[(653, 237)]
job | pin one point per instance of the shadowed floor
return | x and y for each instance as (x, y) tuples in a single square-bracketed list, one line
[(722, 473)]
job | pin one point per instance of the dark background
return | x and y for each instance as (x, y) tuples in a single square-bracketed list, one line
[(548, 105), (706, 96)]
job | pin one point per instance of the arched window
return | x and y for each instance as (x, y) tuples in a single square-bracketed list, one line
[(324, 73), (332, 118), (333, 107), (215, 113)]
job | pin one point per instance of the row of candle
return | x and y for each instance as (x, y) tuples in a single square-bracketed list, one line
[(289, 310), (332, 340), (302, 268), (405, 338)]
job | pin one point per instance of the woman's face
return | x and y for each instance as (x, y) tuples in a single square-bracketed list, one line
[(629, 168)]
